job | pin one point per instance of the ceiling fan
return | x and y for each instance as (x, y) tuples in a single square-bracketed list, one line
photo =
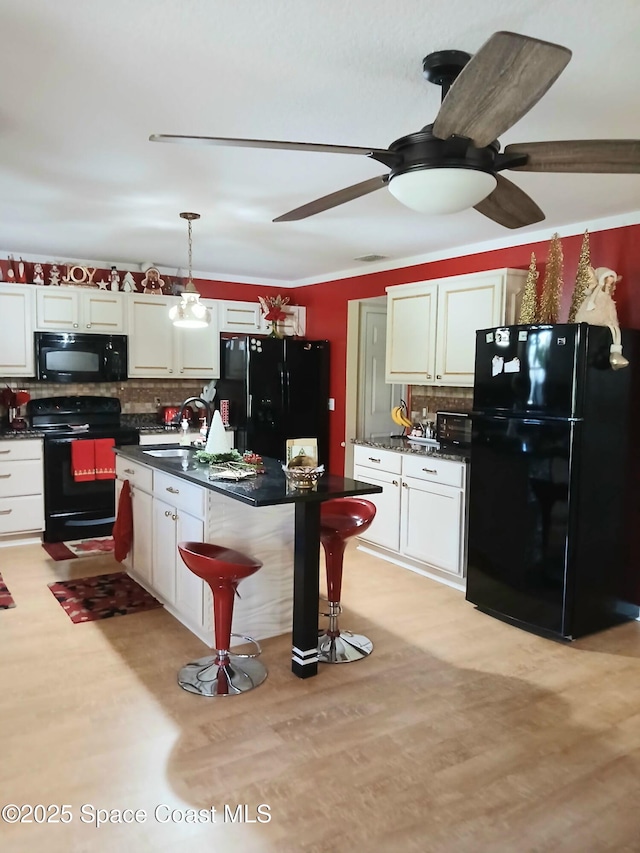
[(455, 162)]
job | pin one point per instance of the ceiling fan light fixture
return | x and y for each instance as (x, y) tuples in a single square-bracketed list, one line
[(437, 190), (190, 313)]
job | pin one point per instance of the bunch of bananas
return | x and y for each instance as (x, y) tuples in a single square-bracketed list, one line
[(399, 415)]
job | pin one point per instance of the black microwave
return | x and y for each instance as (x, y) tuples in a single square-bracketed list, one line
[(62, 357), (453, 428)]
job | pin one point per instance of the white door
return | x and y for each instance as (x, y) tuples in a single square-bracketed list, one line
[(431, 524), (376, 396), (102, 312), (463, 308), (150, 336), (164, 550), (16, 330), (58, 309), (385, 528), (189, 587), (142, 534), (198, 350), (411, 334)]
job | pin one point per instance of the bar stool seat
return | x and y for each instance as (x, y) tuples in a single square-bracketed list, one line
[(222, 674), (340, 519)]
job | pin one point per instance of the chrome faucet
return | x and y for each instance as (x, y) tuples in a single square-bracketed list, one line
[(205, 405)]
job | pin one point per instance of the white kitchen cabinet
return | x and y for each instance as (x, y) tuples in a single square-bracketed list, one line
[(21, 487), (293, 324), (158, 349), (421, 513), (431, 325), (240, 317), (75, 309), (178, 587), (16, 330), (139, 560)]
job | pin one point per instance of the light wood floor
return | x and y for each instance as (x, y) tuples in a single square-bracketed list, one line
[(459, 734)]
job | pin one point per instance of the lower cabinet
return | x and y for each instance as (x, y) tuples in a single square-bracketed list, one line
[(21, 487), (421, 511)]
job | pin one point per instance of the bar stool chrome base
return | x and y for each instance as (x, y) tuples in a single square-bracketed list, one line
[(343, 648), (238, 674)]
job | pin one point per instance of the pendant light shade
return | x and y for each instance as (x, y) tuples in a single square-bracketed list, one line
[(190, 313)]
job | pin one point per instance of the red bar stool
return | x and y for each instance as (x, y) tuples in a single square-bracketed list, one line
[(223, 674), (340, 519)]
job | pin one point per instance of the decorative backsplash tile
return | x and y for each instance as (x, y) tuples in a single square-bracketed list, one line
[(136, 395), (437, 398)]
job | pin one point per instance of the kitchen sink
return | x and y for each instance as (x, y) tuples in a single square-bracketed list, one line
[(171, 453)]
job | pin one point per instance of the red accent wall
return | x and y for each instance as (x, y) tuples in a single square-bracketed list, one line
[(617, 248)]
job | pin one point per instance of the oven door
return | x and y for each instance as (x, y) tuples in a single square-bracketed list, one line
[(77, 510)]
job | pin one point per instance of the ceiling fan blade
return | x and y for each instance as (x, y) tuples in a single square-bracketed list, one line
[(267, 143), (505, 78), (334, 199), (510, 206), (609, 156)]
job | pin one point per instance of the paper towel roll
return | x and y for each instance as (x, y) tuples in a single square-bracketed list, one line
[(217, 441)]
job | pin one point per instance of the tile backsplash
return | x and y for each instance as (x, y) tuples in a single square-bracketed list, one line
[(136, 395), (434, 399)]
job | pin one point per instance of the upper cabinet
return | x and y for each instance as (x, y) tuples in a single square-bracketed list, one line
[(246, 317), (158, 349), (16, 330), (70, 309), (431, 326)]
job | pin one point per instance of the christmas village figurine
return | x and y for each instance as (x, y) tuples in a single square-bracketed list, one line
[(54, 275), (128, 283), (152, 283), (38, 274), (599, 309)]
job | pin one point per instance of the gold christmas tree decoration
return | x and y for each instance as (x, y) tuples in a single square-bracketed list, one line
[(528, 306), (582, 279), (552, 287)]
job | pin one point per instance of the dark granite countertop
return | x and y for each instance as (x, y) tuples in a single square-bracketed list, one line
[(266, 489), (402, 444)]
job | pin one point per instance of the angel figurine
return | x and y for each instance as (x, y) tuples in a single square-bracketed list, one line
[(599, 309)]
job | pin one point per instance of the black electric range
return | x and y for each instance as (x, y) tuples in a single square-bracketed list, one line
[(76, 510)]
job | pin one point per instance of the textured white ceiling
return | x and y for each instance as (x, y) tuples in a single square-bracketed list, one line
[(83, 84)]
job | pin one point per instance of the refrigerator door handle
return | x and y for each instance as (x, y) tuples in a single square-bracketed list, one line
[(250, 406)]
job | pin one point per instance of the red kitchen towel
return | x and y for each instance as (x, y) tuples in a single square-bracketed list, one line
[(105, 459), (83, 460), (123, 527)]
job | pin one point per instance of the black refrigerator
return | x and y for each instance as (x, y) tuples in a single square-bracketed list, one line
[(278, 388), (554, 517)]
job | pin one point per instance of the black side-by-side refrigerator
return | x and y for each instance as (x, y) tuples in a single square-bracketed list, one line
[(554, 494), (277, 389)]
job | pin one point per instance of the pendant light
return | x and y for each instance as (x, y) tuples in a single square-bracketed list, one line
[(190, 313)]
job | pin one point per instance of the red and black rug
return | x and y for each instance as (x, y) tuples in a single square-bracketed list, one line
[(79, 548), (6, 599), (102, 596)]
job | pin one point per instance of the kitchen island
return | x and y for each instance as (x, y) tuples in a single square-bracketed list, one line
[(282, 529)]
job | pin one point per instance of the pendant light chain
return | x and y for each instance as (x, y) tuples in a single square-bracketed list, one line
[(190, 250)]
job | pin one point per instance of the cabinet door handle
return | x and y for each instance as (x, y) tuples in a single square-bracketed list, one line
[(171, 370), (75, 325), (5, 511), (182, 370), (428, 376), (129, 471), (394, 482), (173, 491), (371, 459), (174, 517), (438, 376), (167, 513), (4, 476), (430, 470), (404, 485)]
